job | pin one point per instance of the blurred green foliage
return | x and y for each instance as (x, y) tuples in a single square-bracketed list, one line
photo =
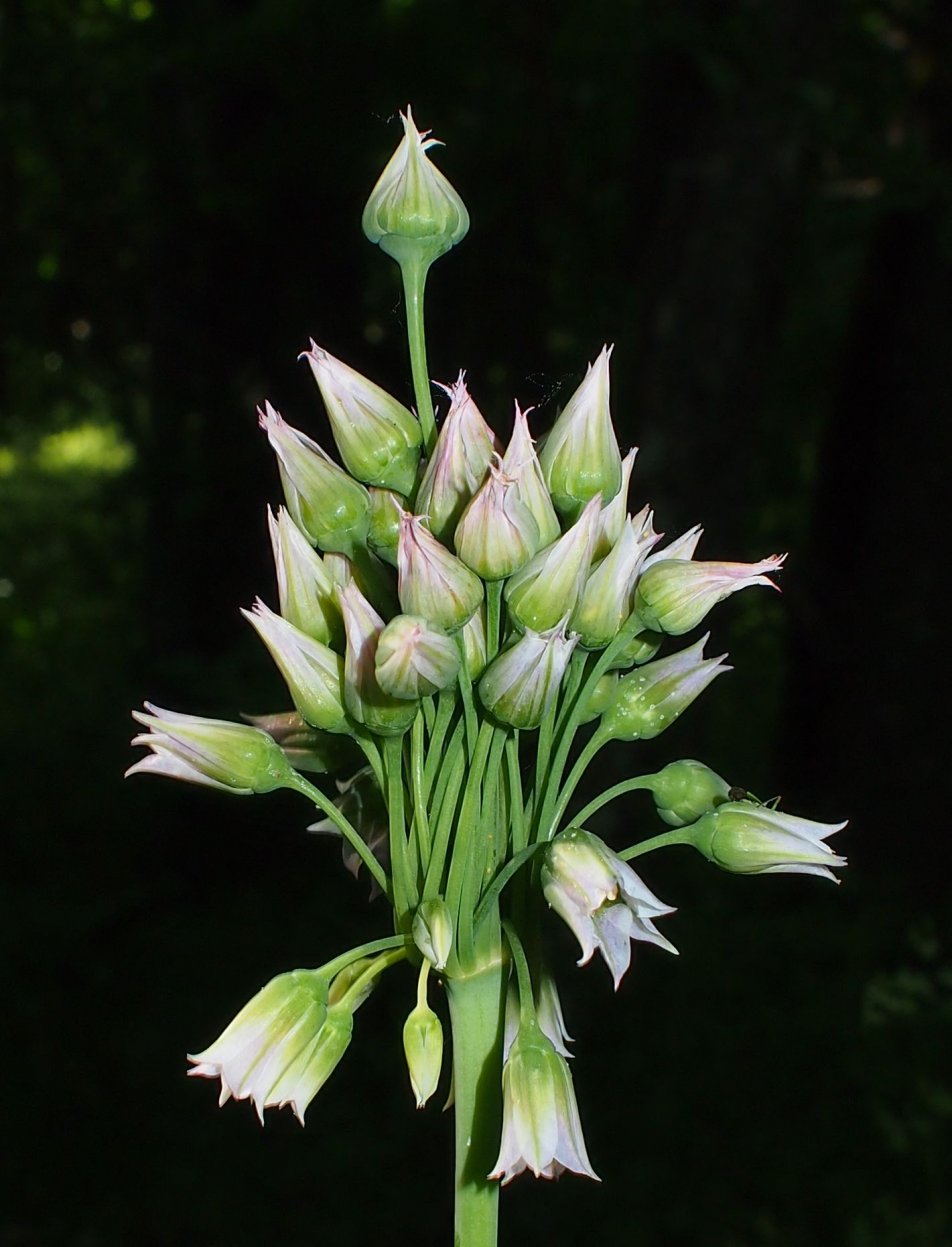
[(753, 201)]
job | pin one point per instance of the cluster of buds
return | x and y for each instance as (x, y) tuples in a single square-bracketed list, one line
[(441, 592)]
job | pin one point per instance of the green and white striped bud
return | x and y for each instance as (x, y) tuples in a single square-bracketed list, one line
[(521, 684), (458, 465), (602, 696), (431, 581), (473, 640), (423, 1044), (614, 513), (547, 589), (580, 457), (386, 507), (674, 595), (605, 603), (433, 932), (497, 533), (378, 438), (366, 701), (414, 658), (750, 839), (312, 671), (328, 505), (684, 791), (650, 699), (522, 464), (305, 589), (413, 212), (640, 649)]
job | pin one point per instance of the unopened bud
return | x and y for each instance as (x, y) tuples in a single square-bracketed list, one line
[(614, 513), (651, 698), (602, 696), (521, 463), (366, 701), (432, 582), (605, 603), (497, 533), (458, 464), (386, 507), (520, 685), (305, 589), (473, 637), (684, 791), (433, 932), (423, 1048), (674, 595), (414, 658), (548, 587), (750, 839)]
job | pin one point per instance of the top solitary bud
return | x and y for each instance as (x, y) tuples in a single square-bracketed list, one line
[(413, 212)]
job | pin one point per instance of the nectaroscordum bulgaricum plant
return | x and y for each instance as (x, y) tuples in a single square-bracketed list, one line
[(462, 626)]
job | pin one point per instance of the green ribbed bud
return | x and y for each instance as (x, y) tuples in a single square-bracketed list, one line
[(328, 505), (603, 694), (674, 595), (432, 582), (378, 438), (614, 513), (650, 699), (640, 649), (458, 465), (605, 603), (305, 588), (433, 932), (414, 212), (423, 1044), (521, 463), (497, 533), (473, 639), (414, 658), (750, 839), (386, 507), (520, 685), (366, 701), (548, 587), (580, 457), (684, 791)]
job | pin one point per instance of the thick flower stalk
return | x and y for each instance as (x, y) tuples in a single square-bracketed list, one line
[(461, 629)]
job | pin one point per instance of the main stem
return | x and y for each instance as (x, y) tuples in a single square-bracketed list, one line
[(477, 1003)]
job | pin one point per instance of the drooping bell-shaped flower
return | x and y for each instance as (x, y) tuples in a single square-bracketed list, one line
[(580, 457), (547, 588), (413, 212), (305, 589), (497, 532), (233, 757), (521, 463), (684, 791), (520, 685), (674, 595), (279, 1049), (606, 599), (325, 502), (311, 670), (378, 438), (612, 520), (414, 658), (751, 839), (652, 697), (458, 464), (601, 899), (431, 581), (366, 701), (541, 1129)]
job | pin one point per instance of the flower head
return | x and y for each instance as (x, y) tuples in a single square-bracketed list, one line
[(541, 1129), (234, 757), (751, 839), (601, 899), (413, 211)]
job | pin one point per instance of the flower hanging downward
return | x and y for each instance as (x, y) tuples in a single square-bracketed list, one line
[(601, 899)]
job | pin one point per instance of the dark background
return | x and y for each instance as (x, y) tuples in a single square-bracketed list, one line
[(752, 200)]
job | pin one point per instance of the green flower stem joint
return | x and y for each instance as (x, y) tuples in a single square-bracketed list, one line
[(462, 626)]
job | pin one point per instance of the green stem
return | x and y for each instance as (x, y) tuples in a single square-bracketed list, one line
[(517, 818), (526, 999), (486, 841), (619, 790), (477, 1003), (591, 748), (353, 994), (680, 835), (330, 968), (413, 271), (493, 610), (404, 892), (346, 828), (514, 864), (421, 825), (434, 753), (446, 799)]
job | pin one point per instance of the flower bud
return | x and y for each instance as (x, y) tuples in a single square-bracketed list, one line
[(423, 1048), (432, 582), (433, 932), (685, 790), (601, 899), (473, 637), (413, 212), (276, 1051), (306, 748), (520, 685), (305, 589), (750, 839), (414, 658), (602, 696), (366, 701), (541, 1130), (330, 507), (652, 697), (640, 649), (605, 603), (547, 588), (458, 465), (378, 438), (522, 464), (674, 595), (614, 513), (386, 507), (496, 533), (580, 457), (312, 671), (231, 756)]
